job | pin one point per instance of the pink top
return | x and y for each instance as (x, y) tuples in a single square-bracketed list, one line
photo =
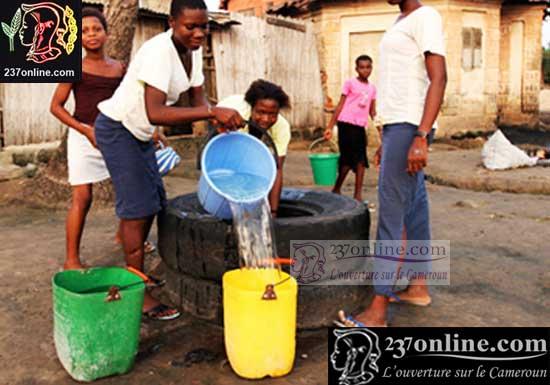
[(359, 97)]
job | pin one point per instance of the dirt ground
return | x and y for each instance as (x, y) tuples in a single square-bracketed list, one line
[(500, 276)]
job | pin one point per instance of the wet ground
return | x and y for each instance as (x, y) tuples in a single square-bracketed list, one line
[(500, 276)]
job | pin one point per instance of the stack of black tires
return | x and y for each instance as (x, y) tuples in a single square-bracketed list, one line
[(197, 248)]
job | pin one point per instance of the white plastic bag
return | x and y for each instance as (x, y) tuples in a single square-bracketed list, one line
[(499, 154)]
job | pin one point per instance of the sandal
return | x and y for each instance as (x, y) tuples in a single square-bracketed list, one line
[(350, 322), (162, 312)]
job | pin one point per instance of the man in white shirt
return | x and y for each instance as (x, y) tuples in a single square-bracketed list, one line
[(411, 87)]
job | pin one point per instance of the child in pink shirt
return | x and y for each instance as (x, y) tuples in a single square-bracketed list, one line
[(358, 100)]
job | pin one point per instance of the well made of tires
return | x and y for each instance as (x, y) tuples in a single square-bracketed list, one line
[(198, 248)]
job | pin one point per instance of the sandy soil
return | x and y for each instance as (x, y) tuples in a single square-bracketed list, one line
[(500, 276)]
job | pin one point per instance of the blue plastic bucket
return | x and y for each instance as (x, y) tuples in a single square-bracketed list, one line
[(235, 167)]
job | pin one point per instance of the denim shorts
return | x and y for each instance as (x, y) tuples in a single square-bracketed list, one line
[(133, 167)]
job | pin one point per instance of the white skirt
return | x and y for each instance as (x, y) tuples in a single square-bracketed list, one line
[(85, 163)]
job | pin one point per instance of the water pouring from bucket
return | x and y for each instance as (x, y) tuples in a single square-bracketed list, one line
[(236, 167), (238, 172)]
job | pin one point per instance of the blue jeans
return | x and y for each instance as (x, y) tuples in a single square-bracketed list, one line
[(403, 203)]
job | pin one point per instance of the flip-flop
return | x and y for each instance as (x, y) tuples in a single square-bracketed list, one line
[(355, 323), (416, 301), (156, 313)]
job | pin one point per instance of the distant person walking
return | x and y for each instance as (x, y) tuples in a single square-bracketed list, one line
[(357, 102)]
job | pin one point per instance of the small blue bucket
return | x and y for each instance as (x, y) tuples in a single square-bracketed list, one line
[(235, 167)]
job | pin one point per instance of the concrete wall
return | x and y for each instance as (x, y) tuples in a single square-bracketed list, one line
[(471, 95), (476, 98), (520, 65), (470, 100)]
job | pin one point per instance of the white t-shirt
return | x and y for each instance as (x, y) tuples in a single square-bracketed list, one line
[(403, 79), (158, 64)]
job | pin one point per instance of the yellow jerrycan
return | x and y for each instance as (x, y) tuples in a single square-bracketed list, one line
[(260, 321)]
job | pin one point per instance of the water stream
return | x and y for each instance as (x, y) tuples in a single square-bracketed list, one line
[(253, 227)]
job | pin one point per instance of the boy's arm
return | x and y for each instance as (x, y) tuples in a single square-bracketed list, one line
[(372, 111), (332, 122), (57, 108), (337, 112), (373, 116), (159, 113)]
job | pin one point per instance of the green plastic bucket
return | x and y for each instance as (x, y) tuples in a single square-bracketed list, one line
[(95, 338), (324, 166)]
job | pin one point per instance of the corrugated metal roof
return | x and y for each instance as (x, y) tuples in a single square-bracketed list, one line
[(161, 7), (218, 19), (298, 6)]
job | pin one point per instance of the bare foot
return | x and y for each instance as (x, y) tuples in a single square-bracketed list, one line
[(73, 265), (414, 295), (375, 314), (149, 302)]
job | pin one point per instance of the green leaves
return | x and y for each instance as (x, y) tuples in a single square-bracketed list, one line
[(7, 29), (11, 30)]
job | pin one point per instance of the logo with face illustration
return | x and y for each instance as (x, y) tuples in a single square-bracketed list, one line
[(308, 260), (46, 30), (355, 354)]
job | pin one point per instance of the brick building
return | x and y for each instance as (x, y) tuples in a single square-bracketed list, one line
[(494, 52)]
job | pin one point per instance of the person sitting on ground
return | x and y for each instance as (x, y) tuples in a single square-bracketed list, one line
[(261, 104)]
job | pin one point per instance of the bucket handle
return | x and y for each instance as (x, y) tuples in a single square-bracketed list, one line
[(269, 292), (114, 291), (334, 146)]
